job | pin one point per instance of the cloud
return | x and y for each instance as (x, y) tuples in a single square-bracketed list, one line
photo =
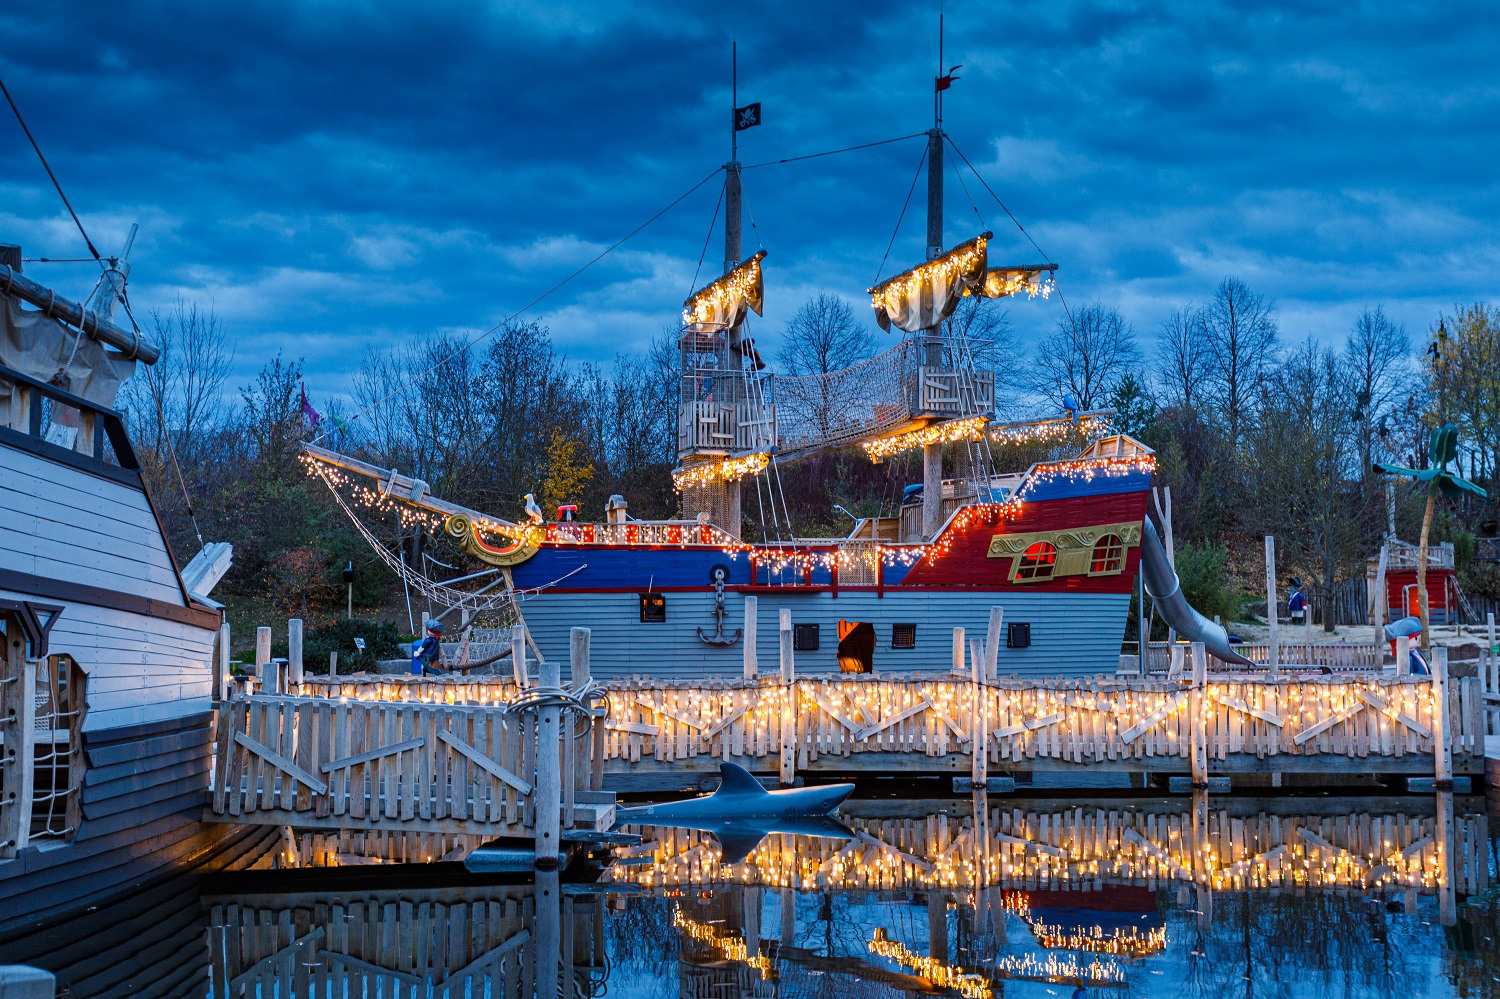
[(336, 175)]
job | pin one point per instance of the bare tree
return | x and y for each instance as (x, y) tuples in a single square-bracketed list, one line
[(823, 336), (189, 381), (1239, 332), (1183, 357), (1086, 355), (1377, 361)]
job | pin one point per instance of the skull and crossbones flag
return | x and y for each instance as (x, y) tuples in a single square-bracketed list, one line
[(747, 116)]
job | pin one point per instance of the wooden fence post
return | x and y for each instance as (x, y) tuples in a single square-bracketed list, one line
[(25, 743), (1490, 660), (752, 666), (1442, 749), (333, 664), (548, 774), (788, 704), (222, 666), (1273, 653), (992, 643), (1403, 655), (958, 652), (518, 654), (264, 668), (294, 655), (979, 722), (1196, 721), (582, 673)]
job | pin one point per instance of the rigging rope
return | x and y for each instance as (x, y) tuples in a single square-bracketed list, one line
[(707, 238), (980, 177), (120, 295), (915, 177), (531, 304), (832, 152)]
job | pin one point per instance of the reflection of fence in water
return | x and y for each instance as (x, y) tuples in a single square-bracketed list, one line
[(443, 942), (1087, 848)]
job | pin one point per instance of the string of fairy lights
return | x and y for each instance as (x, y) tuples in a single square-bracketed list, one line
[(732, 946), (950, 431), (843, 554), (705, 473), (941, 973)]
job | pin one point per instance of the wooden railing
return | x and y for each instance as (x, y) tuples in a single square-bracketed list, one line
[(47, 414), (930, 723), (1342, 657), (745, 426), (315, 762)]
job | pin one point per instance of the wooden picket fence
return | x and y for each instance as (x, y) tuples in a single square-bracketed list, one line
[(1088, 847), (313, 762), (928, 723), (441, 943)]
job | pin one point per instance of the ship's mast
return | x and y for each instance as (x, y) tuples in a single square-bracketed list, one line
[(932, 454), (735, 389)]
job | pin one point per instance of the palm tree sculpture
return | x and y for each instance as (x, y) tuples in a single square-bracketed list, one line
[(1442, 448)]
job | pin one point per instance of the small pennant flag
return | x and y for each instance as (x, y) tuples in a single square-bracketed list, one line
[(944, 82), (747, 116), (308, 413)]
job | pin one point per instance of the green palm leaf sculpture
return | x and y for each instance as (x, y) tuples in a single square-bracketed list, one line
[(1442, 448)]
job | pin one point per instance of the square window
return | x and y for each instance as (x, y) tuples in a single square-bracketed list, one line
[(653, 608), (1018, 635), (903, 636), (805, 637)]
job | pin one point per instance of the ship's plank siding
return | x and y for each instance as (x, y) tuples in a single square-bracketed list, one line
[(139, 668), (74, 539), (1072, 634)]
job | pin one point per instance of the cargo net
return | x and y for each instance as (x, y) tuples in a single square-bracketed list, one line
[(844, 407), (58, 760)]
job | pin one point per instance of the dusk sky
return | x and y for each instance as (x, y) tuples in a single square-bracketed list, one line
[(329, 176)]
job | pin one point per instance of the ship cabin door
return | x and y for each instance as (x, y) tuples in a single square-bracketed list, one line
[(856, 647)]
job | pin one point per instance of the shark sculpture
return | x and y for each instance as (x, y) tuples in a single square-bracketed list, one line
[(741, 813)]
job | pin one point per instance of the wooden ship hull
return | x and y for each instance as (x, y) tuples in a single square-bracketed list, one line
[(108, 671)]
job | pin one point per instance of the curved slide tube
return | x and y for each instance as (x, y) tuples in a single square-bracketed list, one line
[(1161, 583)]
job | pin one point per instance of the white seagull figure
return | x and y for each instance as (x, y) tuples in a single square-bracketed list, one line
[(532, 510)]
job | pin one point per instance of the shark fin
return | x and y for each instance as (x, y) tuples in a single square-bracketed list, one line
[(735, 844), (735, 779)]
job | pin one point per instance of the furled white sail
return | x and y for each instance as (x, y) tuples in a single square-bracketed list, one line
[(723, 304), (924, 296)]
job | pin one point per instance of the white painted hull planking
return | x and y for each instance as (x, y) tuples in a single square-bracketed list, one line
[(80, 534)]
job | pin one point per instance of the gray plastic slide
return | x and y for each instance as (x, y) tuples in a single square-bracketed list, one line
[(1161, 583)]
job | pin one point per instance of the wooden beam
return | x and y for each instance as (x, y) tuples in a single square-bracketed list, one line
[(483, 762), (1318, 728), (281, 763), (1153, 719), (373, 754)]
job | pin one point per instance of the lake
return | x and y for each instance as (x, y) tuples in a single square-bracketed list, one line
[(1327, 895)]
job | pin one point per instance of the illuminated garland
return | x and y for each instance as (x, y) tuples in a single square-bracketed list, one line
[(1053, 432), (1061, 968), (732, 947), (940, 973), (1002, 281), (968, 429), (964, 263), (727, 470), (717, 304), (1124, 942)]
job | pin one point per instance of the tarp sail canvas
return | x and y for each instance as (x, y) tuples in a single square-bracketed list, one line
[(724, 304), (924, 296)]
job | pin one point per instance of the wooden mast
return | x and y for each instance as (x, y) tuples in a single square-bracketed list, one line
[(932, 454)]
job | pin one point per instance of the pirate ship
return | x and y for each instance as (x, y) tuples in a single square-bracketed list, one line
[(1057, 546)]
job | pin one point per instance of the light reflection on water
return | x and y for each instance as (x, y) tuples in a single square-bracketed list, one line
[(1284, 897)]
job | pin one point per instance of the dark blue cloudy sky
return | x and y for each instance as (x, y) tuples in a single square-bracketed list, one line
[(334, 174)]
